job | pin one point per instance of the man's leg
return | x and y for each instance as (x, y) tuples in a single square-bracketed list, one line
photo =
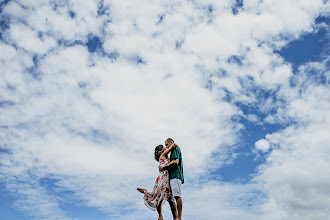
[(176, 191), (173, 209), (179, 206), (159, 210)]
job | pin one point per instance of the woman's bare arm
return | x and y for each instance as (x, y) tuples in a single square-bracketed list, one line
[(163, 155)]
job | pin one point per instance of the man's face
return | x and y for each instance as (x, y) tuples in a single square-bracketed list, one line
[(168, 144)]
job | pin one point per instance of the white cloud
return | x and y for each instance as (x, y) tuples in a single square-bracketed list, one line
[(27, 39), (262, 145), (305, 11), (295, 178), (7, 52), (14, 10), (225, 201), (294, 174), (91, 124)]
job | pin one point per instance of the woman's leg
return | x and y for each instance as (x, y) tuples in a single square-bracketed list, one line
[(159, 210)]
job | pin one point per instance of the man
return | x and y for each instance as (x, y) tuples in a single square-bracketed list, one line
[(175, 170)]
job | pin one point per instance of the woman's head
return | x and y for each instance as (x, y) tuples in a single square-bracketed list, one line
[(158, 151)]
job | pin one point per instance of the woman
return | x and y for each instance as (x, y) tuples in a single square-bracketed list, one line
[(161, 191)]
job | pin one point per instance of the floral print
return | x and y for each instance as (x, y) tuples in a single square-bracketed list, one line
[(161, 191)]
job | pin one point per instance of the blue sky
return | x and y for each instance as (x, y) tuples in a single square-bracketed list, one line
[(89, 88)]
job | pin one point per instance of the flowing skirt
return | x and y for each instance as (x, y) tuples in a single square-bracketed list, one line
[(161, 191)]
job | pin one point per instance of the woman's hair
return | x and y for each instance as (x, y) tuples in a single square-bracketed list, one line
[(158, 151)]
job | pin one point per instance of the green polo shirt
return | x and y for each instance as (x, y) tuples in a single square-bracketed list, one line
[(176, 171)]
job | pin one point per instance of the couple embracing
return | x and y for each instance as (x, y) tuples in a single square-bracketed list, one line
[(168, 183)]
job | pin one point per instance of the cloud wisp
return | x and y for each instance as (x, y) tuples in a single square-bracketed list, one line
[(89, 88)]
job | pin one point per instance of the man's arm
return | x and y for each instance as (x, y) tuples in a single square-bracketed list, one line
[(169, 165)]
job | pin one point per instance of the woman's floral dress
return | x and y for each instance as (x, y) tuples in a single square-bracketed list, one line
[(161, 191)]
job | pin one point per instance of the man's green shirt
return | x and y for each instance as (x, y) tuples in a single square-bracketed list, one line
[(176, 171)]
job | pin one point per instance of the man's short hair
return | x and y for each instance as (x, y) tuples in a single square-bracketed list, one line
[(169, 140)]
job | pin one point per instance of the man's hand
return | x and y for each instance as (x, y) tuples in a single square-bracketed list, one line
[(161, 168)]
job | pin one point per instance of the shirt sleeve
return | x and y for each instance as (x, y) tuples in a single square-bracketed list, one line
[(175, 154)]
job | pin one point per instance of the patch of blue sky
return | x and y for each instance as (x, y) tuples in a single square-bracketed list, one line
[(235, 59), (6, 103), (53, 188), (3, 128), (81, 212), (322, 19), (262, 96), (4, 24), (178, 43), (102, 9), (67, 43), (68, 202), (237, 6), (4, 150), (313, 76), (11, 88), (254, 198), (210, 9), (33, 126), (21, 126), (33, 70), (82, 85), (2, 4), (7, 207), (40, 35), (208, 83), (311, 47), (76, 209), (209, 13), (228, 96), (58, 4), (99, 136), (72, 14), (317, 76), (122, 209), (136, 60), (168, 76), (35, 60), (113, 56), (244, 166), (92, 134), (94, 43), (161, 18)]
